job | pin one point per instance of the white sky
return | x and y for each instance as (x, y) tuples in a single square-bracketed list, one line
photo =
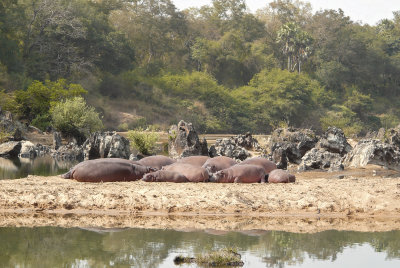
[(366, 11)]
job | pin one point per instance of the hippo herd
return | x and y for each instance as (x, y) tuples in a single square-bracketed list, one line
[(159, 168)]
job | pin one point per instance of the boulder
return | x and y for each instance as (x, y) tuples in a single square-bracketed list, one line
[(106, 145), (321, 159), (56, 140), (393, 137), (292, 142), (11, 126), (279, 157), (28, 150), (69, 152), (247, 142), (373, 152), (334, 141), (228, 147), (10, 149), (183, 141)]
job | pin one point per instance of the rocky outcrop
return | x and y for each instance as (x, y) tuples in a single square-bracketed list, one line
[(373, 152), (10, 149), (69, 152), (228, 147), (183, 141), (30, 150), (11, 126), (246, 141), (393, 137), (321, 159), (56, 140), (106, 145), (334, 141), (290, 144)]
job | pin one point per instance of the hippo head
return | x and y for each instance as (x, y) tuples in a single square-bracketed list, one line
[(219, 176), (211, 169), (149, 177), (151, 169)]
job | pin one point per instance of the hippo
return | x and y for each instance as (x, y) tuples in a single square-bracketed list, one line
[(260, 161), (156, 161), (107, 170), (164, 176), (195, 160), (218, 163), (241, 174), (280, 176), (192, 173)]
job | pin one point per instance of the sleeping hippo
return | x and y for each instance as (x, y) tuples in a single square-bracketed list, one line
[(107, 170), (280, 176), (164, 176), (241, 174), (156, 161), (218, 163), (260, 161), (195, 160), (192, 173)]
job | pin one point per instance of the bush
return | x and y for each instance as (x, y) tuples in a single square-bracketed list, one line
[(73, 115), (42, 122), (4, 135), (143, 141), (342, 117)]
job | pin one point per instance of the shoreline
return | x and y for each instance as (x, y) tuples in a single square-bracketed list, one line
[(360, 200)]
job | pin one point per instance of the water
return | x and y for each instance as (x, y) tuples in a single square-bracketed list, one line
[(42, 166), (76, 247)]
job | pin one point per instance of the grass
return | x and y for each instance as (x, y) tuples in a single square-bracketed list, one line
[(222, 257)]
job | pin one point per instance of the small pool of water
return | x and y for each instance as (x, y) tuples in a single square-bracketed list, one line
[(79, 247), (22, 167)]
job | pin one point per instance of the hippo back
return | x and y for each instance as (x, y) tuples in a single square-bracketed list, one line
[(156, 161), (192, 173), (280, 176), (218, 163), (195, 160), (260, 161)]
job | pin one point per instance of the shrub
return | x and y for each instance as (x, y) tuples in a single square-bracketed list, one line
[(42, 121), (143, 141), (4, 134), (73, 115)]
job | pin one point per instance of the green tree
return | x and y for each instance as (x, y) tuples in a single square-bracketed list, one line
[(74, 116), (144, 141)]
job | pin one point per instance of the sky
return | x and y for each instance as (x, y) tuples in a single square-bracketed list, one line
[(364, 11)]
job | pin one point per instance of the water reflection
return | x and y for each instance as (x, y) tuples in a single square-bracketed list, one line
[(22, 167), (54, 246)]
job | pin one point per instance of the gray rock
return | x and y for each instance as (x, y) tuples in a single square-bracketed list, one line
[(393, 137), (279, 157), (291, 143), (321, 159), (106, 145), (68, 152), (247, 141), (334, 141), (10, 149), (28, 150), (228, 147), (56, 140), (183, 141), (373, 152), (14, 127)]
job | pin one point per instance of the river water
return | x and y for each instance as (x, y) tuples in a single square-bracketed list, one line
[(43, 166), (80, 247)]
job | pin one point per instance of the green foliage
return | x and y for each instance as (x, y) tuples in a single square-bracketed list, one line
[(4, 134), (74, 116), (143, 141), (40, 97), (42, 121), (342, 117)]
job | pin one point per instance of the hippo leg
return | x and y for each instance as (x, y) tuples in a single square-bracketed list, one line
[(263, 179), (237, 180), (266, 178), (67, 175)]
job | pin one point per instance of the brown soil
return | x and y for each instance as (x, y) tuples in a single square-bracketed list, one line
[(364, 199)]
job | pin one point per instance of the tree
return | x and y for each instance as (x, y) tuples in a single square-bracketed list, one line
[(295, 44), (73, 117)]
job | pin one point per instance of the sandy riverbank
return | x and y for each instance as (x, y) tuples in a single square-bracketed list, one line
[(366, 199)]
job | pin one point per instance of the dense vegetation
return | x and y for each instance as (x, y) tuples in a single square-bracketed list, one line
[(218, 66)]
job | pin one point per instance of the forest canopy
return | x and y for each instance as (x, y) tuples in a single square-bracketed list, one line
[(219, 66)]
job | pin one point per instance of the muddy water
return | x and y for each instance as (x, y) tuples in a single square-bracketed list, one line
[(80, 247), (22, 167)]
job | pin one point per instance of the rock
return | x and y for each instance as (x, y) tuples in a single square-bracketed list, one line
[(292, 142), (247, 142), (334, 141), (393, 137), (106, 145), (183, 141), (373, 152), (10, 149), (56, 140), (28, 150), (69, 152), (228, 147), (279, 157), (321, 159), (13, 127)]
